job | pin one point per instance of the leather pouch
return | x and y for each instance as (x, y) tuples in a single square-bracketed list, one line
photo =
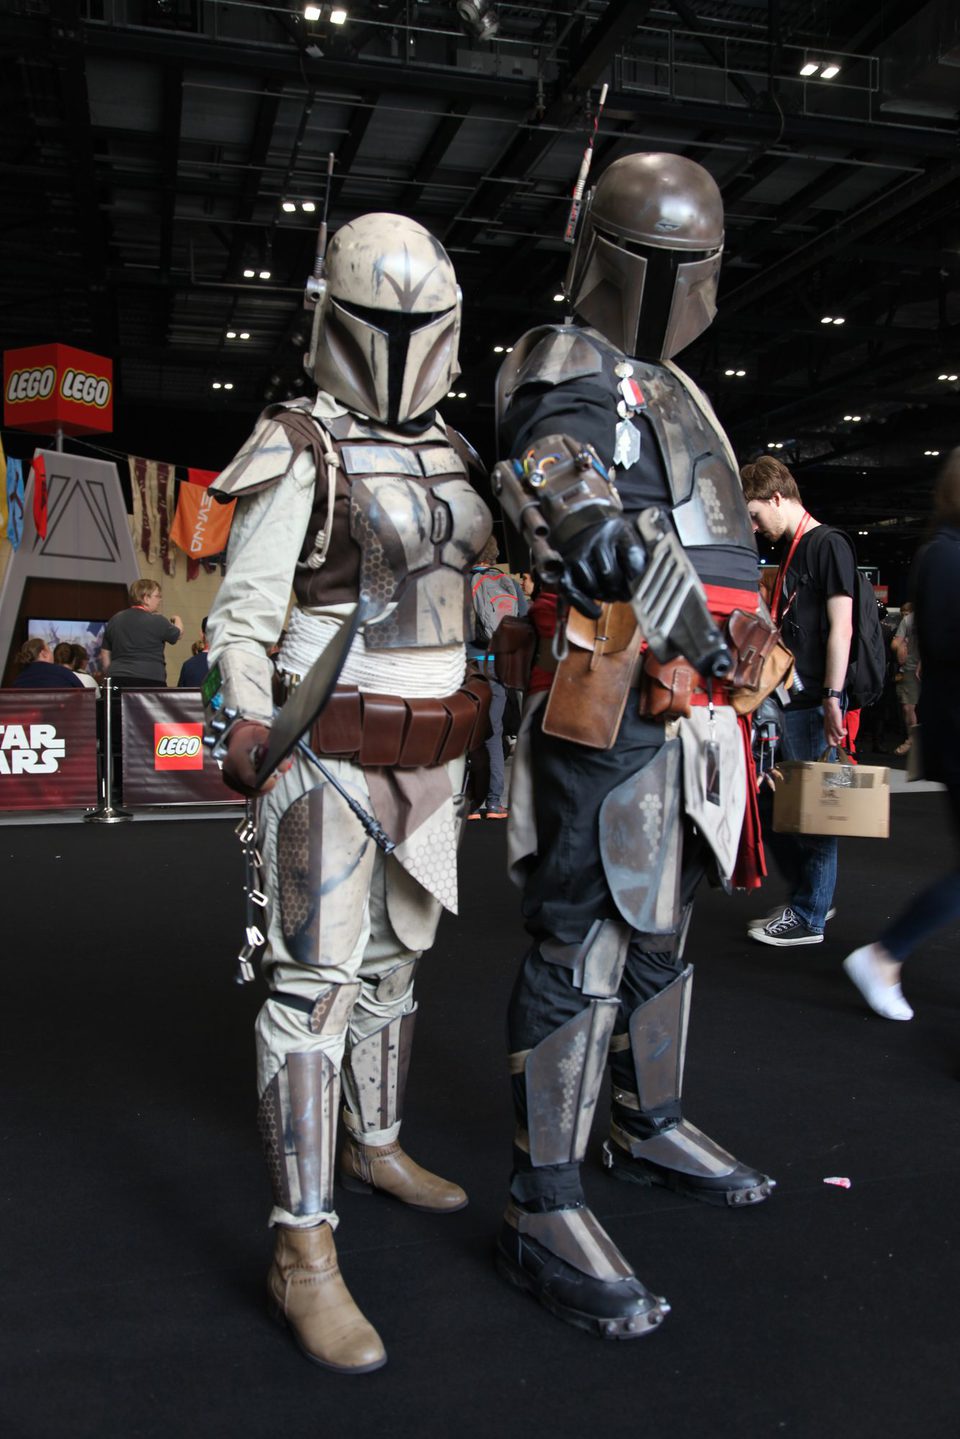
[(777, 669), (513, 645), (590, 688), (337, 730), (665, 689), (752, 637), (462, 709), (427, 728), (384, 722)]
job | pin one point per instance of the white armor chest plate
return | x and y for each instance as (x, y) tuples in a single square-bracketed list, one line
[(419, 524)]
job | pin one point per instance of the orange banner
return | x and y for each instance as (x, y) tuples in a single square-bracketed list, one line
[(202, 524)]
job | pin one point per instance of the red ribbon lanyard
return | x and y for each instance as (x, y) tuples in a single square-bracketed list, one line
[(782, 573)]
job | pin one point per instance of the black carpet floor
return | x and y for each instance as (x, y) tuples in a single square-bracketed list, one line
[(133, 1197)]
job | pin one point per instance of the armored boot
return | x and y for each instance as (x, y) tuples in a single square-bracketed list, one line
[(371, 1157), (551, 1244), (650, 1142), (298, 1117)]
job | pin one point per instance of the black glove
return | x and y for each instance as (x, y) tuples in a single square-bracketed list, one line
[(602, 562)]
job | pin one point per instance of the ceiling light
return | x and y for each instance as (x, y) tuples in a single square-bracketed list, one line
[(244, 334), (728, 372), (951, 377), (856, 419), (862, 532), (830, 71), (231, 334), (498, 349), (461, 394), (809, 67), (558, 298), (249, 274), (740, 374), (827, 320), (228, 385), (848, 417), (217, 386), (338, 16), (451, 394), (311, 12), (264, 274), (931, 452), (288, 207), (308, 207), (509, 349), (839, 320)]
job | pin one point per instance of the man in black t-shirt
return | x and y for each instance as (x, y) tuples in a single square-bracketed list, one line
[(813, 604)]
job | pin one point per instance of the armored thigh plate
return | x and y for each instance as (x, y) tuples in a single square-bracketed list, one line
[(641, 843), (562, 1075), (324, 862), (375, 1074), (298, 1125)]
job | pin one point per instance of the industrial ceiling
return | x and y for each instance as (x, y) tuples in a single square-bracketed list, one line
[(150, 147)]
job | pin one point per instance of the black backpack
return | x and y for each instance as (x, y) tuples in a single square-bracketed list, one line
[(867, 669)]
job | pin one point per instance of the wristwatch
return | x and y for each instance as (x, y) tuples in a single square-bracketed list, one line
[(831, 694)]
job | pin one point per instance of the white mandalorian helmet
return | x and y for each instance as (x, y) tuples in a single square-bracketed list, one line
[(645, 267), (387, 321)]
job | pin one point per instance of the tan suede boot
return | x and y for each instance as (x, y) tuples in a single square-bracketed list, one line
[(307, 1292), (364, 1167)]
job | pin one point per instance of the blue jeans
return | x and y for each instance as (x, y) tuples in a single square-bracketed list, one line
[(808, 862), (498, 700)]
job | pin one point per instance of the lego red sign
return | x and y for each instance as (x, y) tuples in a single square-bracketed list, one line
[(50, 387), (178, 746)]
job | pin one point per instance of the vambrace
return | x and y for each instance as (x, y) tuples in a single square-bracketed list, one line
[(557, 489), (245, 686)]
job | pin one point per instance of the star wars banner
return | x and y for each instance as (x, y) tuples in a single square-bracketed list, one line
[(164, 760), (48, 749)]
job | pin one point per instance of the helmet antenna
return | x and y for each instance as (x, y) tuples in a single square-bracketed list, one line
[(578, 189), (313, 283)]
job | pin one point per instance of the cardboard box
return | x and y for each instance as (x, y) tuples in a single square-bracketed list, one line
[(815, 797)]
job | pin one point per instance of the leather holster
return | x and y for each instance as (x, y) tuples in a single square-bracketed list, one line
[(592, 682)]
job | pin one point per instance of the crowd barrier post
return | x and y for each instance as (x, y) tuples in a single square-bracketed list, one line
[(106, 812)]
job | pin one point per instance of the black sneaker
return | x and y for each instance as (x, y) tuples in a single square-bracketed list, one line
[(785, 928), (764, 919)]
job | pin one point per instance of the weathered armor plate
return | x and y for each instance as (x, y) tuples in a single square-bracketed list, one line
[(640, 843)]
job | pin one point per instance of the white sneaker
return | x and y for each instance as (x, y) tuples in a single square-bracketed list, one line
[(863, 970)]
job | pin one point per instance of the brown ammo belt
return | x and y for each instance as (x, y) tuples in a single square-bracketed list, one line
[(374, 730)]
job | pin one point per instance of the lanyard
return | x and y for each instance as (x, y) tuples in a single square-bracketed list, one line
[(782, 572)]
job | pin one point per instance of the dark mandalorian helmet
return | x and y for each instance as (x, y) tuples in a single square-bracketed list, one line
[(647, 259), (386, 324)]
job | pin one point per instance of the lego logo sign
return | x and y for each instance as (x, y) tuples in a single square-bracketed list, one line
[(48, 387), (178, 746)]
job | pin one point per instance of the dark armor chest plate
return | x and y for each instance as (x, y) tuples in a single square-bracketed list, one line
[(708, 503)]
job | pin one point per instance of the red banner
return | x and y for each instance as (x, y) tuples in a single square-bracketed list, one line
[(49, 387), (164, 759), (48, 749)]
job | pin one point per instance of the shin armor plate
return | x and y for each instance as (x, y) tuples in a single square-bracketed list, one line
[(298, 1126), (375, 1075), (676, 1153)]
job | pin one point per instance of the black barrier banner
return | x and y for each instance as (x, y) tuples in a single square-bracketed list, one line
[(48, 749), (164, 759)]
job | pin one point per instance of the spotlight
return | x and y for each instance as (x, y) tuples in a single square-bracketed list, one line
[(830, 72), (244, 334), (839, 320), (228, 385), (740, 374), (931, 452), (559, 298), (338, 16), (264, 274), (498, 349), (311, 12), (479, 18), (217, 386), (461, 394), (308, 207), (827, 320), (809, 67), (249, 274), (231, 334), (288, 207)]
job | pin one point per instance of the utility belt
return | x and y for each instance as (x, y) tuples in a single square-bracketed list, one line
[(374, 730), (605, 661)]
